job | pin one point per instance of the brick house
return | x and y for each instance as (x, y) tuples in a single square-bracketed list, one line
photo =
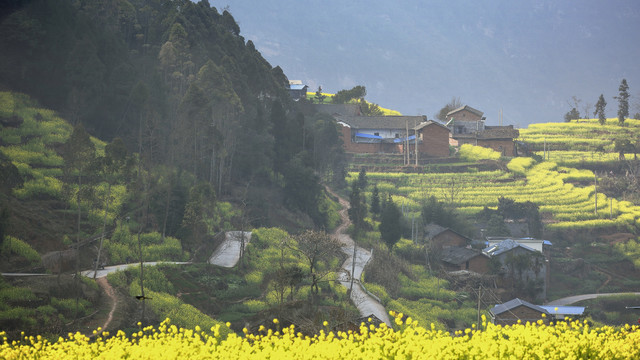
[(440, 237), (513, 310), (390, 134), (460, 258), (465, 113), (467, 127)]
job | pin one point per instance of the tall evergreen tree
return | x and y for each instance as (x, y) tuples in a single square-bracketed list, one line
[(599, 111), (375, 200), (390, 225), (358, 207), (362, 179), (623, 101)]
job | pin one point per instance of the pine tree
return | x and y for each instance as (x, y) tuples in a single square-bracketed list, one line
[(623, 101), (599, 111), (375, 201), (390, 226), (362, 179), (358, 207)]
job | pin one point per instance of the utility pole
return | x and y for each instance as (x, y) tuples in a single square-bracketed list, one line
[(415, 140), (479, 295), (406, 143), (610, 208), (595, 186), (353, 267)]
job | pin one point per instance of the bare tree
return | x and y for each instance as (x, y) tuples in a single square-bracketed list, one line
[(452, 105), (318, 248)]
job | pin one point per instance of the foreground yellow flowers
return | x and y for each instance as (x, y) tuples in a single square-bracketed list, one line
[(574, 340)]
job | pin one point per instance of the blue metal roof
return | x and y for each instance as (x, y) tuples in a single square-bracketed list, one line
[(412, 137), (563, 310), (368, 136), (297, 86)]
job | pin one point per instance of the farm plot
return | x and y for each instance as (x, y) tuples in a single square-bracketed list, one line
[(552, 188), (579, 135)]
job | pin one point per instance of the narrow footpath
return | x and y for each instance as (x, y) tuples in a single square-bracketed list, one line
[(104, 284), (366, 304)]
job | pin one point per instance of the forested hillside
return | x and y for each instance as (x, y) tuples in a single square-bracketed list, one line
[(140, 130), (178, 84)]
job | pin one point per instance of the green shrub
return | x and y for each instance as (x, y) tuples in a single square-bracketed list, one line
[(67, 307), (16, 294), (474, 153), (181, 314), (18, 317), (12, 245)]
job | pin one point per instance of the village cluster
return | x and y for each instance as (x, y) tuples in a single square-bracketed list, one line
[(421, 139)]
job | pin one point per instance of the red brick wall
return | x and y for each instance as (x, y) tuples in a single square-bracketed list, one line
[(505, 147), (479, 264), (448, 238), (435, 141)]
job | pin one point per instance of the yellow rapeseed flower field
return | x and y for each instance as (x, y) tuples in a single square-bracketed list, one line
[(563, 340)]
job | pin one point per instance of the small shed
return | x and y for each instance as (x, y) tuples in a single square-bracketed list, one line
[(513, 310)]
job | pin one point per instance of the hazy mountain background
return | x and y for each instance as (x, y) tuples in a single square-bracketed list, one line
[(527, 57)]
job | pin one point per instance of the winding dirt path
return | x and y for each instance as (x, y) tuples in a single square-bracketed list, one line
[(108, 290), (366, 304)]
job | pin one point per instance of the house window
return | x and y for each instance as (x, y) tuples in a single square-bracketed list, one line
[(466, 266), (397, 136), (376, 134)]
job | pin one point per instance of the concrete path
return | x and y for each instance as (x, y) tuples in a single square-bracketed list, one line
[(366, 304), (113, 268), (574, 299), (24, 274), (228, 253)]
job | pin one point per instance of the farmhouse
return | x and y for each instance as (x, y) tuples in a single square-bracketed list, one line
[(520, 265), (440, 237), (513, 310), (297, 90), (394, 134), (467, 127), (460, 258)]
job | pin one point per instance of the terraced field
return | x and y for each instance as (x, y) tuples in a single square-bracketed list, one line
[(566, 195)]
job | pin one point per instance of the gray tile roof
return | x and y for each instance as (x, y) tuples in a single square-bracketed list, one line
[(512, 304), (499, 132), (338, 109), (504, 246), (468, 108), (458, 255), (382, 122)]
